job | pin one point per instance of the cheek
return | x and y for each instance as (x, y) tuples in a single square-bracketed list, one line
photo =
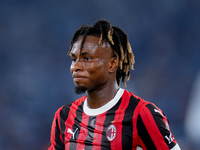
[(104, 66), (71, 68), (90, 68), (97, 69)]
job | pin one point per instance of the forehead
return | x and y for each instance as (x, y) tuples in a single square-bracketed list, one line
[(91, 44)]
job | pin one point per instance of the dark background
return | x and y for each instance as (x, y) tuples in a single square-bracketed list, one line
[(34, 67)]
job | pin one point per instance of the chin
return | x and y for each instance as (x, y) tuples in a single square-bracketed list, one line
[(80, 89)]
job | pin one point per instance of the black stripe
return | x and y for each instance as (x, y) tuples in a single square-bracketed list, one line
[(90, 135), (127, 124), (59, 144), (76, 126), (110, 115), (161, 125), (144, 135), (63, 117)]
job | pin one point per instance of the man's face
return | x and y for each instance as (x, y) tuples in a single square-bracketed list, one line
[(90, 66)]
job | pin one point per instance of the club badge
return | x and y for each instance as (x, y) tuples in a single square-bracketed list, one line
[(111, 132)]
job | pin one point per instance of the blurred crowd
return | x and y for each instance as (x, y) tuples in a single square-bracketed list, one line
[(34, 66)]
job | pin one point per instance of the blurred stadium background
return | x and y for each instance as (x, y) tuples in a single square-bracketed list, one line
[(34, 66)]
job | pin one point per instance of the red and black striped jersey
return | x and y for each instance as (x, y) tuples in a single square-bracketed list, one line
[(126, 122)]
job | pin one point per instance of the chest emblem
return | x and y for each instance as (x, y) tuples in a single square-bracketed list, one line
[(111, 132), (72, 133)]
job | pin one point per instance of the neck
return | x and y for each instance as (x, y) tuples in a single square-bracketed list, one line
[(98, 98)]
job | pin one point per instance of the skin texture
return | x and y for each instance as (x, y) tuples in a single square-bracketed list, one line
[(94, 67)]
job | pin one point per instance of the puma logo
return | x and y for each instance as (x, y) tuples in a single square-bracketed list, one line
[(71, 132)]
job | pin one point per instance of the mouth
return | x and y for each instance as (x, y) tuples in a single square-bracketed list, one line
[(78, 78)]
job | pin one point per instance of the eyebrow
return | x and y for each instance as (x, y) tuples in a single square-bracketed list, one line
[(82, 54)]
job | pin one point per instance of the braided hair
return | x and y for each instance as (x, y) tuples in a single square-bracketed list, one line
[(118, 41)]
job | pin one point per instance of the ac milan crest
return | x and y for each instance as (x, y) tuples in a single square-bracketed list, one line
[(111, 132)]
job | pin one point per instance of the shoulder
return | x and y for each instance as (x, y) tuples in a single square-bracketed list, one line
[(134, 100), (143, 105), (142, 108), (70, 106), (150, 109)]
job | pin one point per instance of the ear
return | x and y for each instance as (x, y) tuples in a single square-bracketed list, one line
[(113, 64)]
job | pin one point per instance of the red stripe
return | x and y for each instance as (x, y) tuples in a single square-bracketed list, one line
[(142, 144), (98, 131), (70, 121), (119, 116), (53, 136), (83, 132), (152, 129), (136, 140), (59, 124), (53, 129)]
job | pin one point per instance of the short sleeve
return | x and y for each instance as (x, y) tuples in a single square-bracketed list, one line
[(56, 142), (153, 129)]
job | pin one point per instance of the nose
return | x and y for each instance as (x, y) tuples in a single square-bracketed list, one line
[(76, 66)]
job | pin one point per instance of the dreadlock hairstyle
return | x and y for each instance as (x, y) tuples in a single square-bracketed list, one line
[(118, 41)]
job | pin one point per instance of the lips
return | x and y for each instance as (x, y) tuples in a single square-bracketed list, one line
[(77, 77)]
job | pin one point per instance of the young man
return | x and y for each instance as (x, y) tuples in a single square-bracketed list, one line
[(108, 117)]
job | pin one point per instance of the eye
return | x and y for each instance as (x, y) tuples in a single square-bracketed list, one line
[(87, 58), (73, 59)]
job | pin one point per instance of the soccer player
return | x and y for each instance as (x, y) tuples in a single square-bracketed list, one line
[(108, 117)]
